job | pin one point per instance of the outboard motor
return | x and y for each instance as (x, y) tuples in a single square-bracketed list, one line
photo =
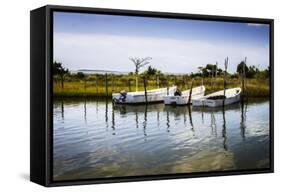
[(122, 97), (177, 93)]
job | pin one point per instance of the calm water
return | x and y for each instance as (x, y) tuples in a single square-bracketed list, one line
[(93, 139)]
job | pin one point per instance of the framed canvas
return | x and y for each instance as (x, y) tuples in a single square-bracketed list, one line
[(122, 95)]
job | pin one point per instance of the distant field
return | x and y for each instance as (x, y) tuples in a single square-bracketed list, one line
[(95, 86)]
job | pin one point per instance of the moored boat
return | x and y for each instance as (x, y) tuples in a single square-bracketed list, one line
[(154, 95), (183, 97), (216, 99)]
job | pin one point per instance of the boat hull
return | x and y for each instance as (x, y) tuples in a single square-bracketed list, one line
[(197, 93), (230, 99), (153, 96)]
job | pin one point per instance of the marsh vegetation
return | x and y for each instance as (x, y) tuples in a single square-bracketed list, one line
[(81, 84)]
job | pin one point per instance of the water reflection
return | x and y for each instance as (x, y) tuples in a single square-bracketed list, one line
[(243, 118), (85, 111), (190, 118), (145, 121), (106, 113), (137, 120), (156, 139), (177, 111), (113, 120), (62, 109), (213, 124), (168, 121), (224, 129)]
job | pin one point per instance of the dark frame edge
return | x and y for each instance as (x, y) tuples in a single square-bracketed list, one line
[(158, 177), (160, 14), (271, 59), (38, 129)]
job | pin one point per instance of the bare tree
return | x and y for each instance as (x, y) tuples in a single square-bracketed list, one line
[(139, 63)]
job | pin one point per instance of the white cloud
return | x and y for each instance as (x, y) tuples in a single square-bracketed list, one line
[(111, 52)]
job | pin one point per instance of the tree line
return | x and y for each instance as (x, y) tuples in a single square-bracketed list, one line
[(210, 70)]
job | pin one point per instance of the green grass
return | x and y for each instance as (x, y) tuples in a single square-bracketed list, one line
[(76, 88)]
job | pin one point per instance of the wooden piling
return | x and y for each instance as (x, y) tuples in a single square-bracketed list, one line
[(185, 81), (157, 81), (137, 82), (224, 79), (85, 86), (145, 91), (215, 75), (129, 85), (106, 85), (212, 78), (190, 92), (112, 84), (167, 82), (216, 70), (243, 78), (97, 85)]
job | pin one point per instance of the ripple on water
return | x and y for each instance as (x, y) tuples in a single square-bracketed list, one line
[(93, 139)]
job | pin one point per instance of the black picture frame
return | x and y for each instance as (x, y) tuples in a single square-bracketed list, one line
[(41, 130)]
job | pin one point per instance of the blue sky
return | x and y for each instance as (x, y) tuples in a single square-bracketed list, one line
[(92, 41)]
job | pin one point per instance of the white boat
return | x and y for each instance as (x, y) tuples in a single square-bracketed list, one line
[(154, 95), (183, 99), (216, 99)]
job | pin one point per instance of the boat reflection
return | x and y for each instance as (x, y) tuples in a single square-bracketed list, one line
[(179, 113)]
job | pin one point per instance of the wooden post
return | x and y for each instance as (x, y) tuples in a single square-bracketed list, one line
[(106, 85), (137, 83), (224, 79), (212, 78), (157, 81), (215, 74), (216, 69), (97, 85), (145, 91), (85, 86), (62, 83), (129, 84), (185, 84), (167, 85), (112, 84), (190, 92), (202, 80), (243, 78)]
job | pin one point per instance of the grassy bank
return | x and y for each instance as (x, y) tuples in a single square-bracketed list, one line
[(96, 87)]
